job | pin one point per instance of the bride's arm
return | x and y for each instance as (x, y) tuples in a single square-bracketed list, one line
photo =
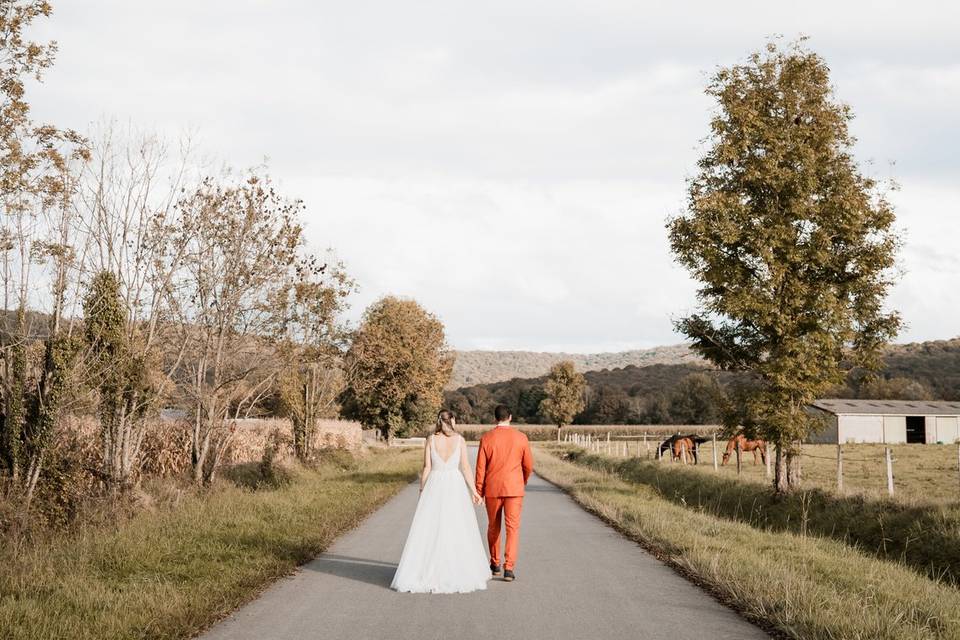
[(426, 463), (465, 470)]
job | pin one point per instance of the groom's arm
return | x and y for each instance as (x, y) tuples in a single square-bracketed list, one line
[(481, 466), (526, 463)]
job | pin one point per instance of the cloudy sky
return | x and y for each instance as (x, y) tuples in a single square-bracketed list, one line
[(511, 164)]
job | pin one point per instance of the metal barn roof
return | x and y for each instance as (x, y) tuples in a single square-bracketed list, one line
[(840, 406)]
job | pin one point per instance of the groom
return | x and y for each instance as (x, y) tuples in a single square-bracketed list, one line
[(504, 464)]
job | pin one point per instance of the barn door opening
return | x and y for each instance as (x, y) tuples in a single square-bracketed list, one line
[(916, 429)]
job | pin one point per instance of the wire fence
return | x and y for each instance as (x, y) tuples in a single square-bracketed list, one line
[(919, 471)]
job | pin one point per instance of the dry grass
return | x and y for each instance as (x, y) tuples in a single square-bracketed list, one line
[(802, 586), (925, 536), (252, 436), (170, 571)]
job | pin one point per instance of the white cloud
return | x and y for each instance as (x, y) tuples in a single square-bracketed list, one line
[(511, 164)]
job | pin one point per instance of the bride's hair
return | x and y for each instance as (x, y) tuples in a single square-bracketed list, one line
[(445, 422)]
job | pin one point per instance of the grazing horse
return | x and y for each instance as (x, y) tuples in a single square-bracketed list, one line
[(677, 443), (746, 445)]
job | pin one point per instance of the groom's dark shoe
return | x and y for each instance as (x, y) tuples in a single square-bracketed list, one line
[(495, 569), (508, 575)]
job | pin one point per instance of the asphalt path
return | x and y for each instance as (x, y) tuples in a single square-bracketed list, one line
[(576, 578)]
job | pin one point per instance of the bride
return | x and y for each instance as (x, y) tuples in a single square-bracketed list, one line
[(444, 552)]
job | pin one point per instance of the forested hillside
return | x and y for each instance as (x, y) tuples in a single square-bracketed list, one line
[(484, 367), (692, 393)]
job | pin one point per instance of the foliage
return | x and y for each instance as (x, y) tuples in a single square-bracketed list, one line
[(794, 248), (396, 367), (308, 390), (563, 393), (125, 385), (36, 185)]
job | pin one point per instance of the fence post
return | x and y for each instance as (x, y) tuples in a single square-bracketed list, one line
[(839, 468), (683, 452), (766, 456), (889, 471), (714, 450), (738, 456)]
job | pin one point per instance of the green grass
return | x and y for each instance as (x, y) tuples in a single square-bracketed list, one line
[(925, 536), (172, 572), (802, 586)]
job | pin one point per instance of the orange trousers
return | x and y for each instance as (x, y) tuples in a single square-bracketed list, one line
[(508, 508)]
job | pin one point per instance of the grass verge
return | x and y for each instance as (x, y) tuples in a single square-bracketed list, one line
[(172, 572), (923, 536), (800, 586)]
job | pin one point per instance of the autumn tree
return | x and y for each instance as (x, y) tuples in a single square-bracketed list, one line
[(126, 205), (792, 245), (311, 380), (37, 182), (242, 239), (564, 390), (396, 367)]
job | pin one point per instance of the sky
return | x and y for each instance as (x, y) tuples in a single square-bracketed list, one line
[(511, 165)]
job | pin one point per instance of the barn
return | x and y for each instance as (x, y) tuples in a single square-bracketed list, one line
[(886, 421)]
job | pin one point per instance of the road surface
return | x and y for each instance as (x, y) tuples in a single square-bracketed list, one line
[(576, 578)]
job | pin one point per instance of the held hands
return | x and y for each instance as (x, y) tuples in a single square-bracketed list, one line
[(476, 498)]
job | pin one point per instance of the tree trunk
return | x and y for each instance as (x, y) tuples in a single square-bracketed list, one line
[(780, 482), (787, 476), (793, 467)]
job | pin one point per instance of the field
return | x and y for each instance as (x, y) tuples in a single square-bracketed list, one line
[(922, 473), (773, 568)]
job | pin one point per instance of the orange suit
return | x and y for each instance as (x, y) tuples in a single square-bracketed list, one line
[(504, 464)]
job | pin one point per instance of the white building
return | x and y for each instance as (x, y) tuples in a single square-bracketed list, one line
[(887, 421)]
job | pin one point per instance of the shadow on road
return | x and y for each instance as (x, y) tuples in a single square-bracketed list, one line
[(372, 572)]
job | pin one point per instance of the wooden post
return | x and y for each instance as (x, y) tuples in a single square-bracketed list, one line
[(766, 456), (683, 452), (889, 470), (714, 450), (738, 456), (839, 468)]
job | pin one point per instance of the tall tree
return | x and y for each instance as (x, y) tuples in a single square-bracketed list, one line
[(312, 378), (127, 381), (793, 246), (242, 239), (37, 182), (396, 367), (564, 390)]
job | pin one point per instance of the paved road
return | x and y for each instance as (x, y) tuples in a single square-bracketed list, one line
[(576, 578)]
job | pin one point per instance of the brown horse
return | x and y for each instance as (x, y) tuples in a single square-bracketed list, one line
[(746, 445), (683, 447)]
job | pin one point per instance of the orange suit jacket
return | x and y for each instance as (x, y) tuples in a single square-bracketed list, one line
[(504, 463)]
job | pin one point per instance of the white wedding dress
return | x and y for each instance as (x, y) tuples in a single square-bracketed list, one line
[(444, 552)]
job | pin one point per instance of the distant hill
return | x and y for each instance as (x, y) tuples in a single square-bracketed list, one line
[(485, 367), (686, 390)]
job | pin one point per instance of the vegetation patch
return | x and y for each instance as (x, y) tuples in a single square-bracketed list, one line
[(169, 572), (924, 536)]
